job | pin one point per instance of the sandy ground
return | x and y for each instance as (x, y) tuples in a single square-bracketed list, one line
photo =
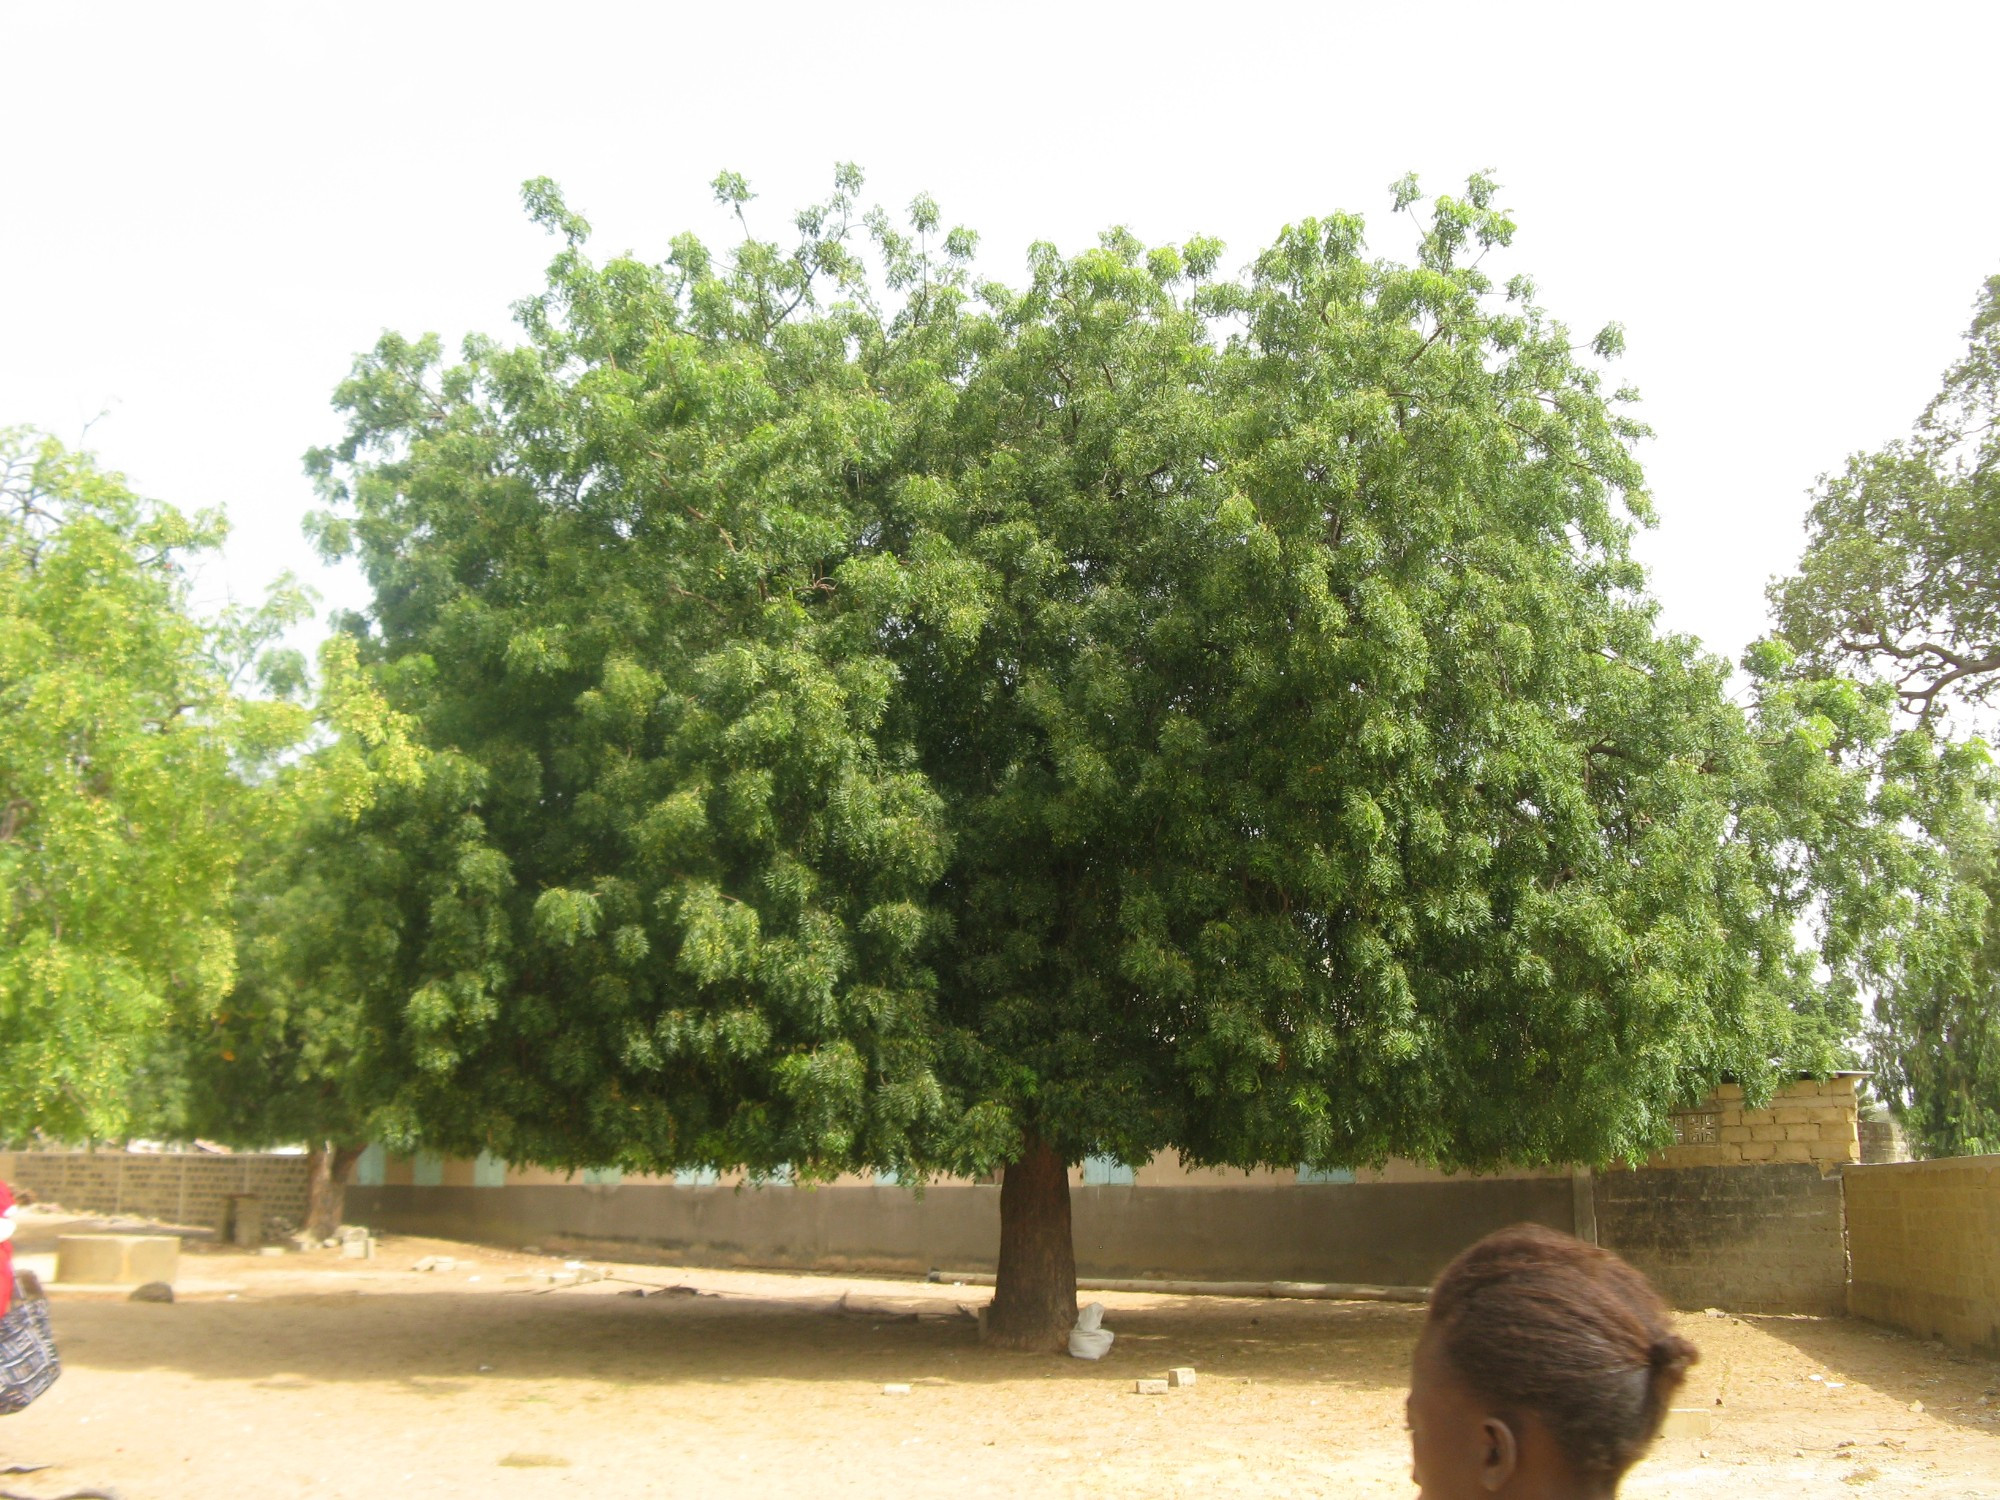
[(309, 1375)]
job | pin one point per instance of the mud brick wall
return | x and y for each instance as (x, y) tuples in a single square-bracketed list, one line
[(1925, 1241), (1767, 1239), (174, 1187), (1807, 1121)]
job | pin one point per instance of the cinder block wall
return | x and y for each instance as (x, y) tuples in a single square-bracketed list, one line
[(175, 1187), (1757, 1239), (1925, 1242)]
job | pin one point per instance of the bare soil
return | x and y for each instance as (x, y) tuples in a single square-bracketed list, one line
[(307, 1375)]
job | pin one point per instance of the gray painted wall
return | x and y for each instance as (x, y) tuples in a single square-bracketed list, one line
[(1394, 1233)]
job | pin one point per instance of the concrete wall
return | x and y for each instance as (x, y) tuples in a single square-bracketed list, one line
[(176, 1187), (1737, 1213), (1925, 1241), (1401, 1234), (1764, 1239), (1805, 1121), (1882, 1138)]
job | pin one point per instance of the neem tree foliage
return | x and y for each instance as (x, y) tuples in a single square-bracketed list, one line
[(970, 726)]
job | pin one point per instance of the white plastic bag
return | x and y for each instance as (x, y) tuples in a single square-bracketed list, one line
[(1090, 1339)]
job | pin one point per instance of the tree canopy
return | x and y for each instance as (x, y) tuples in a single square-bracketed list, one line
[(912, 721)]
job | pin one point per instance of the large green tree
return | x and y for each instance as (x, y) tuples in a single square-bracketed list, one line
[(124, 737), (941, 725)]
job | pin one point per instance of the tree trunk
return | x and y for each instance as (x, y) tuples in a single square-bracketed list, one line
[(1034, 1295), (327, 1166)]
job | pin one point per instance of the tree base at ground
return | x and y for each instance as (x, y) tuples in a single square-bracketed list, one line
[(1034, 1297)]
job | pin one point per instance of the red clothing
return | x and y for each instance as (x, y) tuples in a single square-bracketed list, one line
[(6, 1255)]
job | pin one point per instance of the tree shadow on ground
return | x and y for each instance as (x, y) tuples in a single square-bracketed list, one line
[(437, 1341), (1949, 1384)]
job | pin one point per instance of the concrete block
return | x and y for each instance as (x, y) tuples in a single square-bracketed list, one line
[(116, 1259), (1181, 1377), (1149, 1388), (1757, 1150), (1791, 1151)]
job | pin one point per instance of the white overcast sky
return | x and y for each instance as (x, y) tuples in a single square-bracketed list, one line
[(208, 210)]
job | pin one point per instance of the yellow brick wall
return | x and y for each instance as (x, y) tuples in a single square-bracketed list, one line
[(1923, 1239)]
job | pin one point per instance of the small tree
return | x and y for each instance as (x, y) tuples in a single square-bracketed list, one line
[(1142, 710), (121, 738), (1934, 1032)]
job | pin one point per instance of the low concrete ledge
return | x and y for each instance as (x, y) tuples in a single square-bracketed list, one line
[(116, 1259)]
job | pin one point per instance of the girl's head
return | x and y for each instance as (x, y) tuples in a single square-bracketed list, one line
[(1545, 1367)]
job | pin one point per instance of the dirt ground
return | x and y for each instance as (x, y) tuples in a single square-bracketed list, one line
[(306, 1375)]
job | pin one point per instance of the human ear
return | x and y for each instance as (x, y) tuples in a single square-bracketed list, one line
[(1499, 1457)]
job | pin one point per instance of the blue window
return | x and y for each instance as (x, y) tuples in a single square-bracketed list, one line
[(488, 1170), (371, 1167), (427, 1170), (695, 1177), (888, 1177), (1322, 1175), (1106, 1171)]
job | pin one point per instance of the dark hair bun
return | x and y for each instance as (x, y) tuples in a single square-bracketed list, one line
[(1670, 1356)]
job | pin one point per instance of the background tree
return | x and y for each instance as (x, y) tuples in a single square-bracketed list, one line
[(121, 738), (1901, 573), (1934, 1030), (1900, 581), (966, 726)]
